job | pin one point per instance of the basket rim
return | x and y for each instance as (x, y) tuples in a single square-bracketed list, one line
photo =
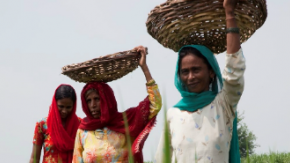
[(154, 20), (102, 59)]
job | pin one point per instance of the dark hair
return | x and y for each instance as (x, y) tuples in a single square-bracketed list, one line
[(190, 50), (65, 91)]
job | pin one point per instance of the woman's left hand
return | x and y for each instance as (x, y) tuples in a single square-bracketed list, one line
[(143, 51), (142, 62)]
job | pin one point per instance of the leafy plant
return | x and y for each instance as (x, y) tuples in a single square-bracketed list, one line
[(246, 138)]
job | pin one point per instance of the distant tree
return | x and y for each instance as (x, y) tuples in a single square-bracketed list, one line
[(244, 136)]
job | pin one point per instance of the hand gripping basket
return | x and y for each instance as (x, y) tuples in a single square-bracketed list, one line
[(181, 22), (103, 69)]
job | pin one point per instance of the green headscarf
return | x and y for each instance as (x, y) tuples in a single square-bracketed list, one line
[(193, 101)]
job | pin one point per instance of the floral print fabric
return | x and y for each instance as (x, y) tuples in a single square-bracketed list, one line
[(205, 135), (41, 137), (105, 145)]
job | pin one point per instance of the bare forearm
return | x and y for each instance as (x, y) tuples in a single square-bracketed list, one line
[(35, 155), (146, 72), (32, 160), (233, 39)]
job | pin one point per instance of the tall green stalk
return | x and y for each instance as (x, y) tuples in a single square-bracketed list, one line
[(129, 143), (167, 153), (248, 158), (272, 156), (128, 138)]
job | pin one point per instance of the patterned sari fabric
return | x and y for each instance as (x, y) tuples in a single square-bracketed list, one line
[(104, 140), (42, 137), (57, 141)]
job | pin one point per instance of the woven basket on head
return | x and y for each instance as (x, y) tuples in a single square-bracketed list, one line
[(103, 69), (181, 22)]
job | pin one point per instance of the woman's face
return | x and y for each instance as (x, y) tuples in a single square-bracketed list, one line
[(195, 74), (93, 102), (65, 107)]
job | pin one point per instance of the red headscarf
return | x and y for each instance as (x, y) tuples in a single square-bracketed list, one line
[(62, 138), (138, 121)]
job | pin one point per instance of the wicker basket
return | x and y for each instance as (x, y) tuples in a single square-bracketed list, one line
[(103, 69), (181, 22)]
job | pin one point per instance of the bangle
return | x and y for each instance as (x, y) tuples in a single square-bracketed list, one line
[(233, 30), (151, 82)]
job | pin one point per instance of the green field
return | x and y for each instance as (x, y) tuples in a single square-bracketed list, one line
[(265, 158), (273, 157)]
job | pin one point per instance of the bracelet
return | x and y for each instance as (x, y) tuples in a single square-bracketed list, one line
[(151, 82), (233, 30)]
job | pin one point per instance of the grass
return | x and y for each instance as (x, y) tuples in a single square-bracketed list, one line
[(272, 157), (129, 144)]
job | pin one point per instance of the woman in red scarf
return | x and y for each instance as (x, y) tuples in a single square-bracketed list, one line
[(102, 136), (57, 131)]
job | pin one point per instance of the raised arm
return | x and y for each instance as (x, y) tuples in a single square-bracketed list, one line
[(233, 73), (152, 87), (233, 36), (142, 62)]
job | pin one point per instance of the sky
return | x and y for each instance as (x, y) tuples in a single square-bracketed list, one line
[(38, 38)]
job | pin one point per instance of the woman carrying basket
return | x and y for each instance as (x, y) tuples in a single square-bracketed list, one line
[(56, 133), (203, 124), (101, 136)]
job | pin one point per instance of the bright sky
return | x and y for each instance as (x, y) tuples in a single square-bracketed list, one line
[(37, 38)]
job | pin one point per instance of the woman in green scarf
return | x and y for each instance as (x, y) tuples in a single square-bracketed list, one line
[(203, 124)]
